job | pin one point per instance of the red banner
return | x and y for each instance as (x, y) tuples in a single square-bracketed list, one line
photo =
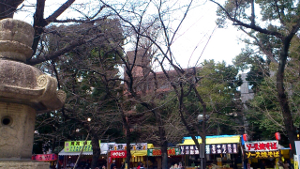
[(261, 145), (118, 154), (44, 157)]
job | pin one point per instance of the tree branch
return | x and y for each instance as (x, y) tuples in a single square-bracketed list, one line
[(252, 13), (254, 27), (268, 53), (60, 10), (62, 51), (40, 22), (8, 8)]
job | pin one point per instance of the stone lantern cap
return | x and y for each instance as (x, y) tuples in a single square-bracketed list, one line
[(20, 82)]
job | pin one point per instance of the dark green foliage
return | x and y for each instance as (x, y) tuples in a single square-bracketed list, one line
[(89, 76), (218, 87)]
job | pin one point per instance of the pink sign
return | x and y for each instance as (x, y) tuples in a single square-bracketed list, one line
[(44, 157), (118, 154)]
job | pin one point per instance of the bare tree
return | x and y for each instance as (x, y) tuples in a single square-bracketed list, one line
[(138, 58)]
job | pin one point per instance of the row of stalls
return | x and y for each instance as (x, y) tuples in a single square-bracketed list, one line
[(222, 151), (142, 153), (232, 152)]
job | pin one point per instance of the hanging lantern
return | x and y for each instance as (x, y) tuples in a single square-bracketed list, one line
[(245, 137), (277, 136)]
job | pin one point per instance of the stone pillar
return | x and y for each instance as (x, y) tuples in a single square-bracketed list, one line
[(24, 92)]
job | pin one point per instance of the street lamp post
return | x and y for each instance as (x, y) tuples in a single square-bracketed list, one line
[(202, 120)]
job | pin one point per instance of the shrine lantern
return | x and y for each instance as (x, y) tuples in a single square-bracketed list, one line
[(277, 136), (245, 137)]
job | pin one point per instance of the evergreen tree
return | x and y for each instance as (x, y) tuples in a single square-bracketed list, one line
[(274, 40)]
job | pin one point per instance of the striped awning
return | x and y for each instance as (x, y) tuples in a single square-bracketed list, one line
[(63, 153), (220, 139)]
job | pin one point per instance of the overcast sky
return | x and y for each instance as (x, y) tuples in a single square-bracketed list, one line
[(200, 23), (191, 39)]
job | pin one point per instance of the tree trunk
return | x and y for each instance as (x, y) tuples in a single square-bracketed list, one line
[(204, 140), (283, 99), (128, 148), (8, 8), (128, 138), (164, 147), (53, 146), (96, 149), (162, 134)]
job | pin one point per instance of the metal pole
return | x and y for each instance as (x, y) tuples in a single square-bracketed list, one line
[(201, 163), (81, 150)]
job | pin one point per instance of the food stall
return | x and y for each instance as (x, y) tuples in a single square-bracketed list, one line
[(222, 151), (262, 154), (72, 149), (118, 153), (154, 157)]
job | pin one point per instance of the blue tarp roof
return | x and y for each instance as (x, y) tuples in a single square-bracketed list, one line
[(217, 136)]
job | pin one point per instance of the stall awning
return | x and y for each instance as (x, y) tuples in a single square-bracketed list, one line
[(63, 153), (220, 139), (141, 152)]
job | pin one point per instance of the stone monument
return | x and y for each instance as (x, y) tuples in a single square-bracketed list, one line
[(24, 92)]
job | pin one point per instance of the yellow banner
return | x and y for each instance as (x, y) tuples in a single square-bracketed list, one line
[(262, 154)]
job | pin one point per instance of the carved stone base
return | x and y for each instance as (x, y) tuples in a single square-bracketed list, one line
[(24, 164), (16, 130)]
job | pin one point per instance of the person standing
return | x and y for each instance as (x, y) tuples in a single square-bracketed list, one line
[(286, 165), (113, 164)]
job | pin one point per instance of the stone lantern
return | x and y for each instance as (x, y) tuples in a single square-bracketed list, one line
[(24, 92)]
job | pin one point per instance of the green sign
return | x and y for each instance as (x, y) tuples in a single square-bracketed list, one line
[(157, 152), (77, 146)]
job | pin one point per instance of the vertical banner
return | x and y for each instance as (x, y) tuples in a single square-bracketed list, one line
[(296, 164), (297, 147)]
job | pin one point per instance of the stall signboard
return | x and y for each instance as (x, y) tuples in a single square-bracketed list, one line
[(231, 148), (44, 157), (133, 146), (262, 154), (76, 146), (118, 154), (157, 152), (261, 145)]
